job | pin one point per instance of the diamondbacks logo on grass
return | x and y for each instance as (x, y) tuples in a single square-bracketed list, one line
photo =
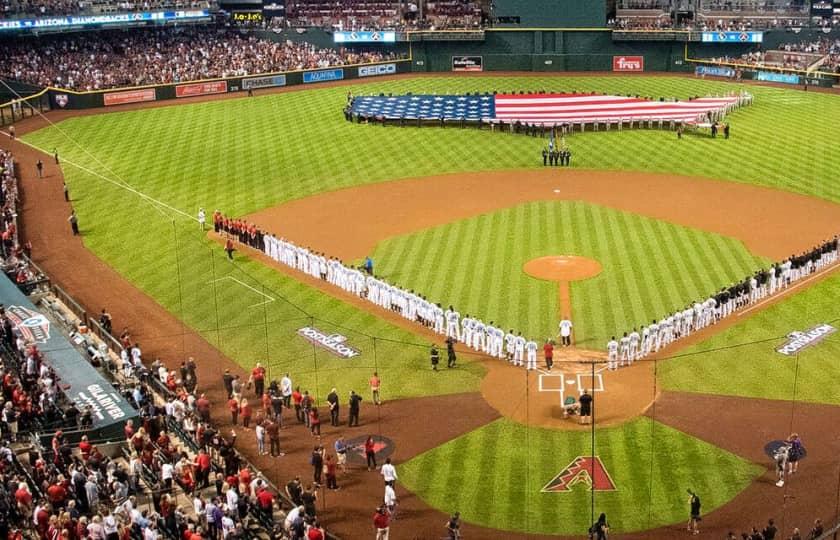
[(797, 341), (335, 343), (588, 470), (32, 325), (383, 447)]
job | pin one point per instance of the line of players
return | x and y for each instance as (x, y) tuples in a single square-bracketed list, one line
[(649, 339), (487, 338)]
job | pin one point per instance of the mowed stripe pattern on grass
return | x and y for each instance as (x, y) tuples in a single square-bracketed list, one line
[(743, 361), (494, 476), (650, 267)]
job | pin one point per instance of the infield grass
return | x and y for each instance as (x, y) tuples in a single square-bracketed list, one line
[(646, 272), (494, 476)]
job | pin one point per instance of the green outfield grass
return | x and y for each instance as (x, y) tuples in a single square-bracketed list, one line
[(651, 465), (743, 361), (645, 271), (245, 154)]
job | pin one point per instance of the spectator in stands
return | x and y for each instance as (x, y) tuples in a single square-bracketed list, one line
[(111, 59)]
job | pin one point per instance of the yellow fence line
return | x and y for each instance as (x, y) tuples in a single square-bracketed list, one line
[(198, 81), (19, 100)]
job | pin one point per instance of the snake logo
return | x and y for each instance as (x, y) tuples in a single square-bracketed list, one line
[(588, 470)]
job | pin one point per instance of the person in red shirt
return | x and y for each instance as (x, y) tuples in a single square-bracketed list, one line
[(548, 351), (202, 465), (245, 478), (382, 523), (315, 532), (57, 494), (24, 498), (129, 429), (202, 405), (265, 503), (314, 422), (331, 467), (297, 398), (233, 407), (370, 453), (245, 411), (258, 376), (85, 447)]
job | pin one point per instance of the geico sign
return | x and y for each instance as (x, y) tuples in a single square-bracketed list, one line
[(384, 69), (801, 340), (628, 63)]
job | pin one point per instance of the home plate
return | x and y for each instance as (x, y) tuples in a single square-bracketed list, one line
[(571, 382)]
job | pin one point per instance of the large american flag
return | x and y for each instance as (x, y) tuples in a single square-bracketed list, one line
[(548, 109)]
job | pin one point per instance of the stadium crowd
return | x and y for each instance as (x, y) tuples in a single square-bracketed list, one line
[(45, 8), (822, 54), (102, 60), (382, 15)]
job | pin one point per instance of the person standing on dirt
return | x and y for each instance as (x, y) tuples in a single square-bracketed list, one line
[(332, 400), (566, 332), (74, 223), (548, 352), (694, 520), (355, 402), (66, 192), (585, 400), (40, 167), (450, 352)]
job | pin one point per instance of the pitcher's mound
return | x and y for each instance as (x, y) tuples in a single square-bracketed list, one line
[(562, 268)]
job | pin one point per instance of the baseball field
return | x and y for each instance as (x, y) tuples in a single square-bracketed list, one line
[(456, 214)]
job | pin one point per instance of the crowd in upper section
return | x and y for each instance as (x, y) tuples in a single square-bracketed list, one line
[(102, 60), (819, 55), (347, 14)]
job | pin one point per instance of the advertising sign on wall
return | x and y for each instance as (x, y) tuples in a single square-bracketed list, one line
[(786, 78), (467, 63), (732, 37), (628, 63), (382, 69), (365, 37), (263, 82), (129, 96), (715, 71), (323, 75), (201, 89)]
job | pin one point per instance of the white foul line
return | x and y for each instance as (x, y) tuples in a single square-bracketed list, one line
[(123, 185), (270, 298), (815, 275)]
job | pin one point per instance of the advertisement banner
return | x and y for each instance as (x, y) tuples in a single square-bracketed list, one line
[(201, 89), (334, 343), (786, 78), (80, 21), (628, 63), (365, 37), (372, 71), (263, 82), (732, 37), (715, 71), (129, 96), (798, 341), (323, 75), (467, 63)]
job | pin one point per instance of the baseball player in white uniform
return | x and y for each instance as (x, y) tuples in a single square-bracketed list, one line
[(633, 353), (612, 354), (510, 347), (518, 349), (624, 349), (453, 328), (566, 332), (531, 348)]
